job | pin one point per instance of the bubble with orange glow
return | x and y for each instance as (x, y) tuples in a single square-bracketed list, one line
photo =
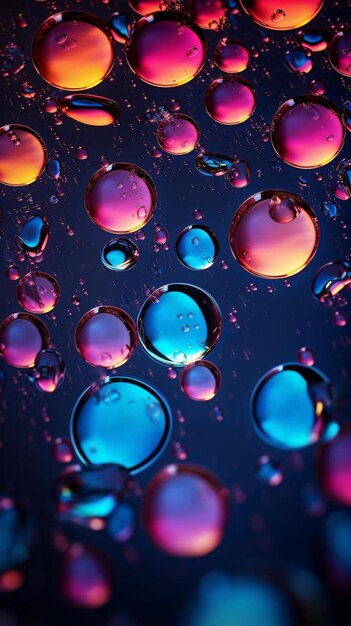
[(274, 234), (307, 132), (73, 50), (22, 155), (38, 292), (282, 15), (231, 56), (22, 337), (185, 510), (178, 134), (166, 49), (90, 109), (230, 100), (208, 14), (145, 7)]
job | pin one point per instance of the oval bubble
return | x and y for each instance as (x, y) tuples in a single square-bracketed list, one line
[(330, 279), (178, 134), (73, 50), (291, 406), (33, 236), (38, 292), (123, 421), (208, 14), (166, 49), (274, 234), (340, 52), (334, 467), (90, 109), (230, 100), (284, 15), (179, 324), (185, 510), (200, 381), (120, 255), (22, 337), (85, 577), (22, 155), (197, 247), (120, 198), (307, 132), (231, 56), (314, 40), (106, 337), (49, 370)]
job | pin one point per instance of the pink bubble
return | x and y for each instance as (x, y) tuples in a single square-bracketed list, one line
[(340, 52), (185, 510), (38, 292), (85, 577), (200, 381), (106, 337), (208, 14), (120, 198), (306, 356), (22, 337), (230, 100), (145, 7), (334, 467), (62, 450), (231, 56), (178, 134)]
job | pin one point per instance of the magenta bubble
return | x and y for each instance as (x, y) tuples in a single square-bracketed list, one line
[(334, 467), (38, 292), (230, 100), (340, 52), (85, 578), (22, 337), (231, 56), (200, 381)]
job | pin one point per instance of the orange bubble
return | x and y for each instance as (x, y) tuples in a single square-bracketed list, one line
[(73, 50), (274, 234), (282, 15), (90, 109), (208, 14), (145, 7), (22, 155)]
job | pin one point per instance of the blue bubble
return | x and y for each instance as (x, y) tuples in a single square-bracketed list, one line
[(210, 164), (197, 247), (330, 211), (33, 235), (179, 324), (330, 279), (123, 421), (291, 406), (53, 169), (120, 254)]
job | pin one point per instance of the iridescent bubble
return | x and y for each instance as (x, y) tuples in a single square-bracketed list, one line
[(211, 164), (330, 279), (49, 370), (230, 100), (22, 155), (274, 234), (106, 337), (85, 578), (285, 15), (22, 337), (90, 109), (185, 510), (317, 87), (145, 7), (208, 14), (120, 255), (166, 49), (62, 450), (197, 247), (33, 236), (200, 381), (121, 523), (330, 211), (123, 421), (307, 131), (314, 40), (340, 52), (121, 25), (268, 471), (38, 292), (291, 406), (178, 134), (298, 61), (231, 56), (120, 198), (53, 169), (239, 174), (334, 467), (179, 324), (306, 356), (16, 534), (73, 50)]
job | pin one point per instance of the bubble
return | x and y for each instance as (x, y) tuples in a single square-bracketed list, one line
[(106, 337), (120, 254), (317, 88), (12, 59), (200, 381), (330, 211), (239, 174), (121, 25), (53, 169), (344, 175), (120, 198), (285, 15), (85, 579), (178, 134), (22, 155), (231, 56), (291, 406), (268, 241), (268, 471), (145, 7), (166, 49), (340, 52), (90, 109), (197, 247), (307, 132), (211, 164), (334, 467), (306, 356), (33, 236), (16, 534), (330, 279), (208, 14), (298, 61), (314, 40), (230, 100), (73, 50), (121, 523), (22, 337), (124, 421), (38, 292), (62, 450), (165, 314), (185, 510), (49, 370)]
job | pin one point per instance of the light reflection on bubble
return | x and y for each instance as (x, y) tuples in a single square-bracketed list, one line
[(120, 255), (330, 279), (38, 292), (230, 100), (200, 381), (284, 15), (22, 155), (90, 109), (22, 337), (178, 134), (340, 52), (197, 247), (208, 14)]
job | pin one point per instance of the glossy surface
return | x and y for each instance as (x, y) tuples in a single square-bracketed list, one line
[(22, 337), (120, 255), (285, 15), (22, 155), (38, 292), (90, 109), (178, 134), (340, 52), (197, 247), (231, 56), (200, 381), (230, 100)]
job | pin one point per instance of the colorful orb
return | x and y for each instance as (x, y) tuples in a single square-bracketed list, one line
[(22, 337), (274, 234), (120, 198), (38, 292), (291, 406), (306, 356), (208, 14), (22, 155), (49, 370), (197, 247), (179, 324), (340, 52), (85, 577), (123, 421), (32, 237), (231, 56), (166, 49), (185, 510), (284, 15), (334, 467), (330, 279), (145, 7), (178, 134), (90, 109), (307, 132), (268, 471), (62, 450), (106, 337), (73, 50), (120, 255), (230, 100), (200, 381)]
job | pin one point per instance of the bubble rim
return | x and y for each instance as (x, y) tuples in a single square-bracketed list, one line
[(213, 237), (334, 40), (22, 127), (208, 365), (45, 224), (50, 279), (133, 247)]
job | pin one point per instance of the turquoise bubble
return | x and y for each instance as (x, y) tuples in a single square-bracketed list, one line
[(123, 421), (179, 324), (197, 247), (120, 254), (291, 406)]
